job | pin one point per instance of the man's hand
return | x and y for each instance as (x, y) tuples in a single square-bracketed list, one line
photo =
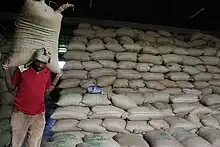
[(59, 75), (5, 64)]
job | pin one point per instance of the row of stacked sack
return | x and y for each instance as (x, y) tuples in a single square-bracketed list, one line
[(6, 101), (92, 114)]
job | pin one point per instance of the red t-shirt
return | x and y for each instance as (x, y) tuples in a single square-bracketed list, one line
[(31, 90)]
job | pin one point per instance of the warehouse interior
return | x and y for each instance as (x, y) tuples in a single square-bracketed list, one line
[(136, 73)]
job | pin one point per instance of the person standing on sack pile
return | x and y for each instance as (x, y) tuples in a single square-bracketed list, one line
[(32, 81)]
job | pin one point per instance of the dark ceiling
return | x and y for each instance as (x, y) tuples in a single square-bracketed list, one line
[(160, 12)]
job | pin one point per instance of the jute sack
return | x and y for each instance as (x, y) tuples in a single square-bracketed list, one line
[(209, 121), (44, 24), (108, 64), (92, 125), (120, 83), (69, 83), (65, 125), (174, 67), (211, 99), (76, 45), (138, 98), (96, 73), (152, 76), (189, 139), (161, 139), (126, 65), (211, 135), (73, 90), (77, 55), (72, 64), (88, 33), (95, 99), (136, 83), (168, 83), (146, 58), (128, 74), (155, 85), (207, 60), (154, 97), (70, 99), (191, 61), (159, 124), (123, 102), (178, 76), (106, 81), (131, 140), (204, 76), (87, 83), (114, 125), (71, 112), (138, 127), (212, 69), (103, 55), (75, 74), (126, 56), (90, 65)]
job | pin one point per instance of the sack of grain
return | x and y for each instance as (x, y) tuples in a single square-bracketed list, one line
[(209, 51), (120, 83), (37, 26), (184, 98), (207, 91), (84, 32), (194, 118), (209, 121), (106, 81), (65, 125), (149, 50), (164, 33), (164, 107), (131, 140), (115, 47), (5, 125), (128, 74), (142, 67), (125, 32), (153, 97), (103, 55), (201, 84), (173, 67), (188, 139), (180, 51), (200, 68), (70, 99), (180, 43), (214, 83), (212, 69), (195, 52), (98, 140), (178, 76), (159, 69), (183, 107), (6, 98), (92, 125), (184, 84), (5, 111), (190, 70), (126, 65), (191, 61), (136, 84), (97, 28), (148, 38), (96, 73), (192, 91), (138, 127), (138, 98), (211, 99), (172, 90), (146, 58), (123, 90), (196, 43), (209, 60), (102, 112), (80, 39), (69, 83), (165, 49), (132, 47), (73, 90), (161, 139), (196, 36), (155, 85), (105, 33), (87, 83), (114, 125), (177, 122), (72, 64), (168, 83), (152, 33), (77, 55), (164, 40), (90, 65), (95, 99), (152, 76), (95, 45), (211, 135), (171, 58), (71, 112), (108, 64), (145, 89), (75, 74), (107, 90), (144, 113), (123, 102), (126, 56), (202, 76), (76, 46), (159, 124)]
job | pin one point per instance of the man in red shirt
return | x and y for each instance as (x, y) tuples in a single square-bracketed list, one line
[(32, 82)]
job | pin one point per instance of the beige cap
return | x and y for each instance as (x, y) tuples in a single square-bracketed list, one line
[(42, 55)]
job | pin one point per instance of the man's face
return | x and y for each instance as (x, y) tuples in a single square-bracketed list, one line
[(38, 65)]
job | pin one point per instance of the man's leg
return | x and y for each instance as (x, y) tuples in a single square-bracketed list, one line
[(35, 131), (20, 124)]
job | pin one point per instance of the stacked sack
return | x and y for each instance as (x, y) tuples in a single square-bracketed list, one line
[(152, 82), (6, 101)]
